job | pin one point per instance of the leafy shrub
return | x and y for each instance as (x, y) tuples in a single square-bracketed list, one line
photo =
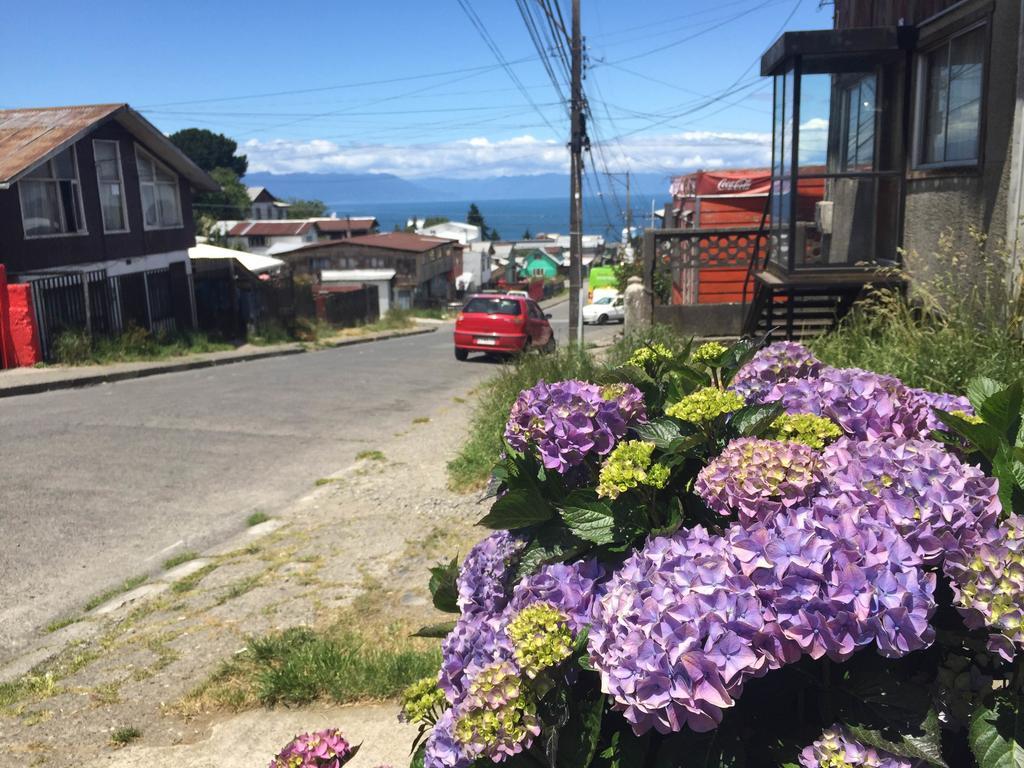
[(732, 596), (960, 322), (76, 347)]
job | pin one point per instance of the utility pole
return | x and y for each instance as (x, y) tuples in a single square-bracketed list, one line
[(629, 211), (576, 145)]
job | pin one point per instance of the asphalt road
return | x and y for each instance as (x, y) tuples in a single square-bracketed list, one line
[(104, 483)]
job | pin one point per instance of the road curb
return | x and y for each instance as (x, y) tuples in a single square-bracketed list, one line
[(34, 388)]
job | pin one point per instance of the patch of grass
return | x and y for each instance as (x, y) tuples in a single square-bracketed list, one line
[(239, 588), (126, 586), (957, 324), (370, 456), (42, 681), (181, 557), (421, 420), (57, 624), (301, 665), (106, 694), (256, 518), (323, 481), (191, 581), (124, 735), (394, 320), (76, 347), (459, 400)]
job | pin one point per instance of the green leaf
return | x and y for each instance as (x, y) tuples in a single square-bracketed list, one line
[(552, 543), (979, 390), (1001, 410), (578, 738), (982, 436), (662, 432), (441, 629), (997, 731), (442, 586), (589, 518), (519, 508), (417, 756), (1009, 470), (924, 743), (753, 420), (626, 749)]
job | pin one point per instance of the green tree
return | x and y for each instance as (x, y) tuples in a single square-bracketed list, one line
[(210, 150), (433, 221), (474, 217), (493, 234), (306, 209), (231, 202), (527, 235)]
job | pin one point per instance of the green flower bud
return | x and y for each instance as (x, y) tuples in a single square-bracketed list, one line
[(628, 466), (705, 353), (806, 428), (421, 700), (541, 636), (705, 405)]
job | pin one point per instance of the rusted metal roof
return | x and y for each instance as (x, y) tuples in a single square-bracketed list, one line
[(399, 241), (345, 225), (29, 137), (270, 228)]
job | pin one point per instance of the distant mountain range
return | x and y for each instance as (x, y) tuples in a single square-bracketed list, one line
[(334, 188)]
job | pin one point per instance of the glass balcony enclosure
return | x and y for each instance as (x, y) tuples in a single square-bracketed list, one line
[(837, 180)]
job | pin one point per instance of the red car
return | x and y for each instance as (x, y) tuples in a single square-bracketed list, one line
[(501, 323)]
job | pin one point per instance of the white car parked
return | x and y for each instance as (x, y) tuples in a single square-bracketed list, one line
[(604, 309)]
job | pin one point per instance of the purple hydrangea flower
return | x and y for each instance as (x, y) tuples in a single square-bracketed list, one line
[(933, 499), (678, 631), (988, 581), (944, 402), (689, 619), (573, 589), (868, 406), (442, 749), (759, 478), (320, 749), (476, 642), (775, 363), (835, 747), (483, 579), (568, 420)]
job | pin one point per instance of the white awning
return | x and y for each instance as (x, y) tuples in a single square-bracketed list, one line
[(253, 262)]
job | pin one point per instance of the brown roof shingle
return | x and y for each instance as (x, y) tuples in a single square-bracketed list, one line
[(270, 228)]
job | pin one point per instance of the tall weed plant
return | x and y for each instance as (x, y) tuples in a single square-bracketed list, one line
[(962, 319)]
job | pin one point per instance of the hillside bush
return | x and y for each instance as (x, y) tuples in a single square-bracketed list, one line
[(736, 557)]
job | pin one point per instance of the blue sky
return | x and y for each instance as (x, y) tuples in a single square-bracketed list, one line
[(411, 87)]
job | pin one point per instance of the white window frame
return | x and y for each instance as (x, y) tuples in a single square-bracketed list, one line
[(120, 179), (77, 182), (177, 192), (921, 98)]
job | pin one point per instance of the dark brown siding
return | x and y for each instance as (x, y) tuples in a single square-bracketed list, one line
[(886, 13), (21, 255)]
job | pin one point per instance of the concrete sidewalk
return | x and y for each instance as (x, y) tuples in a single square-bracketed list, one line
[(28, 381)]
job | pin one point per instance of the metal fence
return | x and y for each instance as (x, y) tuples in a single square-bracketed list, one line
[(99, 304)]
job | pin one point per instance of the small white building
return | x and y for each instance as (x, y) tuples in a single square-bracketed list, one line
[(453, 230), (265, 205), (382, 279), (269, 238)]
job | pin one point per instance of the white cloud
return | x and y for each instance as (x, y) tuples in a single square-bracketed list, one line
[(481, 157)]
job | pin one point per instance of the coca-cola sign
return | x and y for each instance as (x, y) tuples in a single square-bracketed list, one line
[(734, 185)]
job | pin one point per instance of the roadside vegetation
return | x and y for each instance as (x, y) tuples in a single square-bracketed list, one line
[(76, 347), (956, 325), (301, 665)]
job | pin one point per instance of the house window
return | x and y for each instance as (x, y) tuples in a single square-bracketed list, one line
[(111, 184), (161, 205), (951, 83), (51, 198), (257, 241), (858, 106)]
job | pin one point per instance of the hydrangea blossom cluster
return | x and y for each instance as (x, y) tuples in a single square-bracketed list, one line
[(775, 363), (320, 749), (572, 588), (759, 478), (628, 466), (498, 718), (806, 428), (944, 402), (650, 355), (706, 353), (483, 579), (541, 636), (988, 582), (868, 406), (688, 619), (568, 420), (705, 405), (938, 503), (836, 749), (421, 701), (441, 748)]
